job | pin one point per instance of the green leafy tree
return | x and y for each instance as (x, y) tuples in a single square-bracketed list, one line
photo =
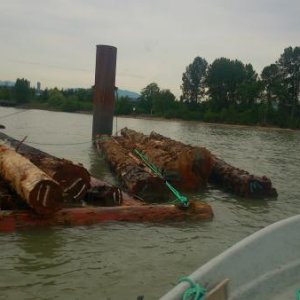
[(223, 79), (276, 93), (146, 100), (22, 92), (163, 102), (193, 81), (5, 93), (123, 106), (250, 89), (56, 98), (289, 68)]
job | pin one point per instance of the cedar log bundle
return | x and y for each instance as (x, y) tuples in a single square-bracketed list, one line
[(74, 179), (135, 177), (188, 167), (184, 166), (40, 191), (231, 178)]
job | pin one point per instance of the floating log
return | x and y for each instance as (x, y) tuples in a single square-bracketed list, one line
[(184, 166), (208, 166), (240, 182), (135, 177), (35, 187), (14, 220), (73, 178)]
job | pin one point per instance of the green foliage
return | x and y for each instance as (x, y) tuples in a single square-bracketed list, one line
[(5, 93), (225, 80), (193, 79), (289, 68), (155, 101), (163, 102), (56, 99), (22, 92), (123, 106), (146, 100)]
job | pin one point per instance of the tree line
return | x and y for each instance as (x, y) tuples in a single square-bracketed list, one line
[(229, 91), (225, 91), (69, 100)]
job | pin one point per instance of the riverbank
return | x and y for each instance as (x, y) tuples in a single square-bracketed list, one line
[(154, 118), (157, 118)]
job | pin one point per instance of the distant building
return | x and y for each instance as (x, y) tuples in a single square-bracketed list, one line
[(38, 91)]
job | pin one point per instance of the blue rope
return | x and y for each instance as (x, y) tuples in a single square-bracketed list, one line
[(194, 292)]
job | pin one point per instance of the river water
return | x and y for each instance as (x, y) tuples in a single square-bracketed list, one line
[(124, 260)]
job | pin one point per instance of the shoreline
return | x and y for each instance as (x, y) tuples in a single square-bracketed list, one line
[(154, 118)]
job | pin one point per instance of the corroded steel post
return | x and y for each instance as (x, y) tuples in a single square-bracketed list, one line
[(104, 90)]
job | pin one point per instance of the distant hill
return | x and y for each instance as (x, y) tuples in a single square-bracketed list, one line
[(121, 93), (7, 83), (124, 93)]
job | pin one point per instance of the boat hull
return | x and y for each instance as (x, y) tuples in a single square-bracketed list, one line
[(262, 266)]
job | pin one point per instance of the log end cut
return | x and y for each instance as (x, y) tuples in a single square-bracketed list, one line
[(46, 197), (74, 180)]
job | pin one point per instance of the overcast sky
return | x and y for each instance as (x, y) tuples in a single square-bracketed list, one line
[(54, 41)]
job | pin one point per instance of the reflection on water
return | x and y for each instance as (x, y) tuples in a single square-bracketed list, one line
[(122, 261)]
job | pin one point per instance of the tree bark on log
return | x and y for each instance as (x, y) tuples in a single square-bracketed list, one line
[(73, 178), (35, 187), (136, 178), (212, 168), (184, 166), (240, 182), (11, 221)]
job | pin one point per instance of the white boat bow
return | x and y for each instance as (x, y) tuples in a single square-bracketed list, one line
[(264, 265)]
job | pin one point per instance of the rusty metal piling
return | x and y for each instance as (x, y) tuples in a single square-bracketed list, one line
[(104, 90)]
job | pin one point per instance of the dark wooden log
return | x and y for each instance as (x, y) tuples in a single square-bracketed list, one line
[(135, 177), (218, 172), (35, 187), (73, 178), (184, 166), (14, 220), (126, 199), (240, 181)]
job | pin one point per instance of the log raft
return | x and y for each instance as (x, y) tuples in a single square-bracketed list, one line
[(130, 210), (135, 176), (34, 186), (73, 178), (184, 166), (190, 167)]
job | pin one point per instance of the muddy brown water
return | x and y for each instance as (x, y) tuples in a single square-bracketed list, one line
[(123, 260)]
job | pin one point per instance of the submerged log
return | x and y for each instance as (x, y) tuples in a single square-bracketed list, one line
[(36, 188), (74, 179), (135, 177), (11, 221), (240, 182), (184, 166)]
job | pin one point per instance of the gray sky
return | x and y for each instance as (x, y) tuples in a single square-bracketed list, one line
[(54, 41)]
